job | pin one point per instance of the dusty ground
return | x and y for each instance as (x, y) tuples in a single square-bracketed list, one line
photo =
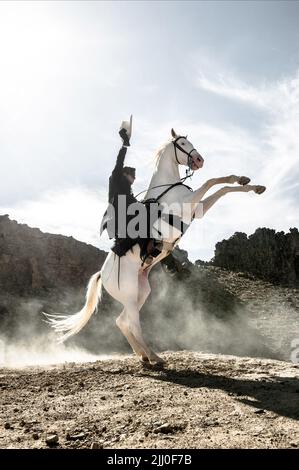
[(195, 401)]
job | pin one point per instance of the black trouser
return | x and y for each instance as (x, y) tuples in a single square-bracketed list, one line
[(123, 245)]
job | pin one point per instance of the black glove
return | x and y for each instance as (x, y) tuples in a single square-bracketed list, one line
[(125, 137)]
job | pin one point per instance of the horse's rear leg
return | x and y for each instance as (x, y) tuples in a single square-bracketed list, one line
[(132, 315), (122, 323), (144, 290)]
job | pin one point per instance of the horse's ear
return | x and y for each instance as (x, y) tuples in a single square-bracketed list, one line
[(173, 133)]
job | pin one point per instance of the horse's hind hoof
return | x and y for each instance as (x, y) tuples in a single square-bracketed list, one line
[(260, 189), (157, 361), (243, 180), (144, 360)]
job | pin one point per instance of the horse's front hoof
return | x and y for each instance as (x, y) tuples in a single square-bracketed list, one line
[(243, 180), (260, 189)]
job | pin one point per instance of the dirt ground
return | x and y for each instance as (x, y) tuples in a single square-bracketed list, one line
[(194, 401)]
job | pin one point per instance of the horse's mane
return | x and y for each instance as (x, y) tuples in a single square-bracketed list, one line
[(160, 151)]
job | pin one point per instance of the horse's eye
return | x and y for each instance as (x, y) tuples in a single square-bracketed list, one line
[(183, 143)]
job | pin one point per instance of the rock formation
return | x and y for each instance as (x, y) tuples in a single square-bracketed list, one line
[(33, 262), (40, 271), (269, 255)]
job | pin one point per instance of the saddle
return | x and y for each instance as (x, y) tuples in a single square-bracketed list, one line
[(148, 247), (151, 246)]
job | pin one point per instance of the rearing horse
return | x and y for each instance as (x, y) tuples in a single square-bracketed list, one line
[(130, 285)]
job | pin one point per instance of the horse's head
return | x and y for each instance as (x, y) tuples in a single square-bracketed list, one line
[(185, 153)]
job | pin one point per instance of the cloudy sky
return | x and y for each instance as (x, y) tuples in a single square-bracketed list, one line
[(225, 73)]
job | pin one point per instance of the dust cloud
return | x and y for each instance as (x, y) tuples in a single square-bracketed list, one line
[(189, 311)]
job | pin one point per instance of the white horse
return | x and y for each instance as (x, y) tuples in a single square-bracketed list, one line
[(130, 285)]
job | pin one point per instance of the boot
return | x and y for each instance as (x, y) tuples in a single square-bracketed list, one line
[(149, 251)]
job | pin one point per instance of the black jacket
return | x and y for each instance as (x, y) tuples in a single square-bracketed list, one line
[(118, 185)]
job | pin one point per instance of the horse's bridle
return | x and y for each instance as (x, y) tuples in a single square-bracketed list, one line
[(177, 146), (189, 171)]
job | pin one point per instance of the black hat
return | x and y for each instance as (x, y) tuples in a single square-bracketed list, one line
[(129, 170)]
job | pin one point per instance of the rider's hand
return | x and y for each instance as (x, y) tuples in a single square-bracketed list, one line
[(124, 135)]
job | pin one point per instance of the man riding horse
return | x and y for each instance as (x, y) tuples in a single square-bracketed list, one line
[(130, 285)]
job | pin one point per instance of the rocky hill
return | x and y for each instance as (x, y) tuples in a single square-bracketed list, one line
[(38, 269), (269, 255), (33, 262)]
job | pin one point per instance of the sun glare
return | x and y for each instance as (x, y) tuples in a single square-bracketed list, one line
[(32, 48)]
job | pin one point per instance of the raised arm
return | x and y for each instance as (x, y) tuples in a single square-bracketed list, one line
[(117, 171), (125, 134)]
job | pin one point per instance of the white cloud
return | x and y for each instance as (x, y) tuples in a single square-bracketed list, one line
[(272, 160), (230, 87)]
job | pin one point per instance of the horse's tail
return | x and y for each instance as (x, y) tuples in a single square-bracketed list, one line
[(69, 325)]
